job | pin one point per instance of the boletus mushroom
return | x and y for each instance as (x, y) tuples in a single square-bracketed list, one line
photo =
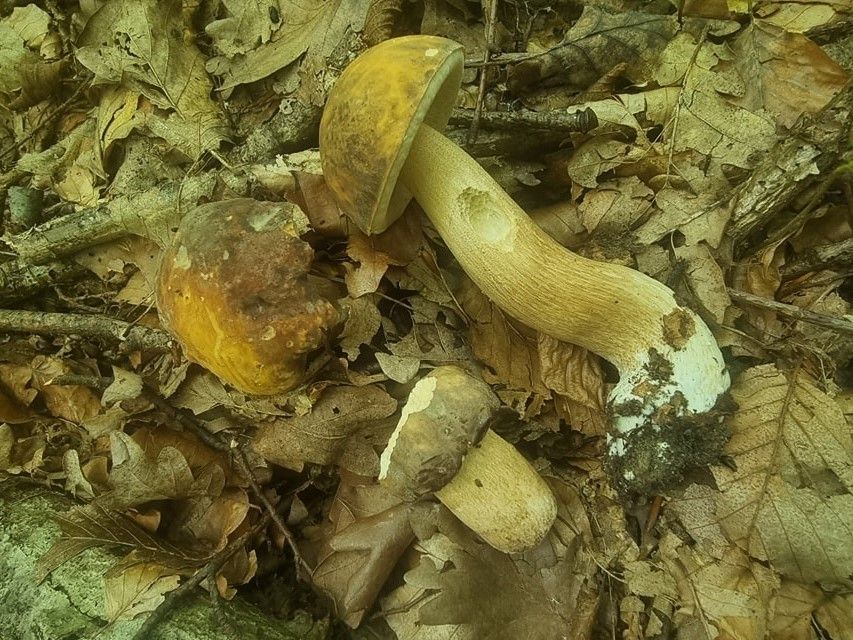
[(443, 446), (234, 289), (380, 144)]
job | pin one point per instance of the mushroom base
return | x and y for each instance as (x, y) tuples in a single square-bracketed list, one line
[(656, 457)]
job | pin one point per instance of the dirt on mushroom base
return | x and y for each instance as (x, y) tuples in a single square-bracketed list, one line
[(658, 455)]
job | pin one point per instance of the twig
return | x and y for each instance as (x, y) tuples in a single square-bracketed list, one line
[(146, 214), (579, 121), (836, 254), (78, 379), (208, 571), (302, 568), (837, 324), (481, 91), (129, 336), (19, 280)]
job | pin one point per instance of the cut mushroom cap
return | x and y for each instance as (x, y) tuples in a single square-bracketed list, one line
[(381, 123), (233, 287), (442, 445)]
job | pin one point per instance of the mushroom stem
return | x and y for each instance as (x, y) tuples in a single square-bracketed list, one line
[(494, 478), (669, 363)]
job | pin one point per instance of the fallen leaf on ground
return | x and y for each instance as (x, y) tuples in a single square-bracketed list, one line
[(789, 502), (344, 427)]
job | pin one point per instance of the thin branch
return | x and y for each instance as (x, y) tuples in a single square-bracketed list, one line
[(558, 121), (828, 256), (20, 280), (841, 325), (172, 599), (129, 336)]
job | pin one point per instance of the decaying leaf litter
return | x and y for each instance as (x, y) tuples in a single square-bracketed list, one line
[(720, 165)]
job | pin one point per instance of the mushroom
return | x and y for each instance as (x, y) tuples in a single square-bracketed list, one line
[(443, 446), (381, 145), (234, 289)]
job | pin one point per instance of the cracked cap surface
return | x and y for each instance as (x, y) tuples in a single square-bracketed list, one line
[(372, 115)]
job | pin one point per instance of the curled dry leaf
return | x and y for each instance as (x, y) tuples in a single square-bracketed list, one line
[(523, 359), (354, 551)]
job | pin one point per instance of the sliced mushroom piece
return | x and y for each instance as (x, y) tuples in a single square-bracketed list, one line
[(442, 445)]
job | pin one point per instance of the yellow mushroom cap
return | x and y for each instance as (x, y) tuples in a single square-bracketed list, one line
[(233, 288), (372, 115)]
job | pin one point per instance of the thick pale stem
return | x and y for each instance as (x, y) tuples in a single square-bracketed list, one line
[(664, 352), (500, 496)]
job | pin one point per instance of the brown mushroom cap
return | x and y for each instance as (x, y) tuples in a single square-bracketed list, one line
[(441, 422), (233, 288), (372, 115)]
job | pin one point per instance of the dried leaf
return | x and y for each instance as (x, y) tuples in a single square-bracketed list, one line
[(126, 385), (136, 478), (696, 511), (795, 604), (789, 501), (93, 526), (434, 343), (362, 323), (783, 72), (616, 207), (836, 616), (575, 376), (209, 520), (71, 402), (372, 264), (732, 594), (398, 368), (596, 43), (358, 548), (799, 16), (23, 72), (11, 411), (280, 37), (75, 481), (139, 42), (696, 115), (138, 589), (343, 428), (507, 348), (470, 590)]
